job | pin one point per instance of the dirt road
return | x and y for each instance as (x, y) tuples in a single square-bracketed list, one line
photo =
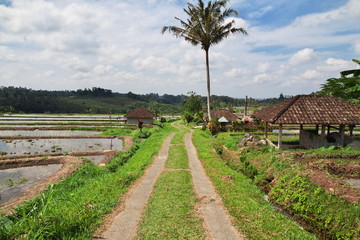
[(123, 222)]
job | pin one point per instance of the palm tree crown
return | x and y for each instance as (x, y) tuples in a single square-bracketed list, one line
[(206, 26)]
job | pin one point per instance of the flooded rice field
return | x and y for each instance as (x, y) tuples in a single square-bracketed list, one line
[(59, 116), (15, 181), (26, 138), (57, 145), (38, 133)]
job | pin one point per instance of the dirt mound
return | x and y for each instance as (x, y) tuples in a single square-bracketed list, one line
[(334, 185), (345, 170)]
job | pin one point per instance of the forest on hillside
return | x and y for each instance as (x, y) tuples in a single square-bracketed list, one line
[(104, 101)]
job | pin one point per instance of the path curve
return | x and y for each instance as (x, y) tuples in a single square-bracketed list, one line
[(216, 219)]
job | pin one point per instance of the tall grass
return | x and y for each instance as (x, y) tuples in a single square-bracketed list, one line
[(252, 214), (74, 208)]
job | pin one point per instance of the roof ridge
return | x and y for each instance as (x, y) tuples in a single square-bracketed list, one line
[(287, 107)]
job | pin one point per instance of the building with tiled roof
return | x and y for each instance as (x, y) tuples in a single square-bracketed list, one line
[(319, 110), (224, 114), (141, 114)]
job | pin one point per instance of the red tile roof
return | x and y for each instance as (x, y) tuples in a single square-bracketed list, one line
[(311, 109), (217, 114), (140, 113)]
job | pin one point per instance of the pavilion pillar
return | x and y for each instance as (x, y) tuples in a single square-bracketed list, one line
[(317, 129), (342, 134), (280, 136), (351, 128), (301, 126), (266, 130), (322, 130), (328, 129)]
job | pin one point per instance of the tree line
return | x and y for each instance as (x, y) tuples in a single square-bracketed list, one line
[(99, 100)]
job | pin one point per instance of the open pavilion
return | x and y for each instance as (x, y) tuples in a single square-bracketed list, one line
[(321, 111)]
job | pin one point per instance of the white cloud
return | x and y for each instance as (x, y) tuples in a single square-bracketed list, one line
[(260, 12), (236, 72), (118, 45), (303, 56), (311, 74), (357, 47), (261, 78), (7, 54), (263, 67), (103, 69)]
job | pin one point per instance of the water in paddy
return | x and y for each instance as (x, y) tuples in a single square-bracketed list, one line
[(96, 159), (38, 133), (57, 116), (63, 145), (15, 181), (355, 183)]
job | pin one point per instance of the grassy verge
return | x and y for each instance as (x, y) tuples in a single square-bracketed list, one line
[(170, 212), (74, 208), (254, 216), (288, 185)]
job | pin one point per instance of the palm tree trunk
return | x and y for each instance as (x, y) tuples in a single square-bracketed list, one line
[(208, 82)]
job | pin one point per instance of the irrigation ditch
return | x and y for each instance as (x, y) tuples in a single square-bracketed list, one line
[(319, 189)]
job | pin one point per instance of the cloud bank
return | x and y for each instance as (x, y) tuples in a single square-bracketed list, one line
[(117, 45)]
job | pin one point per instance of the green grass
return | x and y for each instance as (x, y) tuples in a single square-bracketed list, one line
[(177, 157), (254, 216), (74, 208), (179, 137), (170, 213), (331, 217)]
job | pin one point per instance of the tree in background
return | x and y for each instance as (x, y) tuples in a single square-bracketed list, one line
[(192, 109), (346, 87), (206, 26)]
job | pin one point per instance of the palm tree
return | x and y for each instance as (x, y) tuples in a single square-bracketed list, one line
[(206, 26)]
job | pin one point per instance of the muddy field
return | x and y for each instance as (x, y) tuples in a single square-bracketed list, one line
[(34, 157)]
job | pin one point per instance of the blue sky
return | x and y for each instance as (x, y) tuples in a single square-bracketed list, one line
[(292, 47)]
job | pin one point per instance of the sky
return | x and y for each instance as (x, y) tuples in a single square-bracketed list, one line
[(292, 47)]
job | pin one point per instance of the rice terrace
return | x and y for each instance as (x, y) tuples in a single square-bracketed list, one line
[(68, 176)]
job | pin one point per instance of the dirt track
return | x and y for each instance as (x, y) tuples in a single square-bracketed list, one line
[(124, 221)]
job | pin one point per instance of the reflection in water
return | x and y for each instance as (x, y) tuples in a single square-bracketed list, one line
[(63, 145), (15, 181), (39, 133)]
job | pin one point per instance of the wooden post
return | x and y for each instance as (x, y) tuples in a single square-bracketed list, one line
[(317, 129), (351, 128), (322, 130), (342, 133), (246, 106), (280, 136), (266, 130), (328, 129), (301, 126)]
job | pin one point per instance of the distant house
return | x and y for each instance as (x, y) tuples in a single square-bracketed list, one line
[(321, 114), (142, 114), (224, 116)]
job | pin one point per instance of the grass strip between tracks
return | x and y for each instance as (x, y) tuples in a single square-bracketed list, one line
[(171, 211)]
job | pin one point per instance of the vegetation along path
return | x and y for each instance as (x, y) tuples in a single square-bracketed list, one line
[(125, 222)]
